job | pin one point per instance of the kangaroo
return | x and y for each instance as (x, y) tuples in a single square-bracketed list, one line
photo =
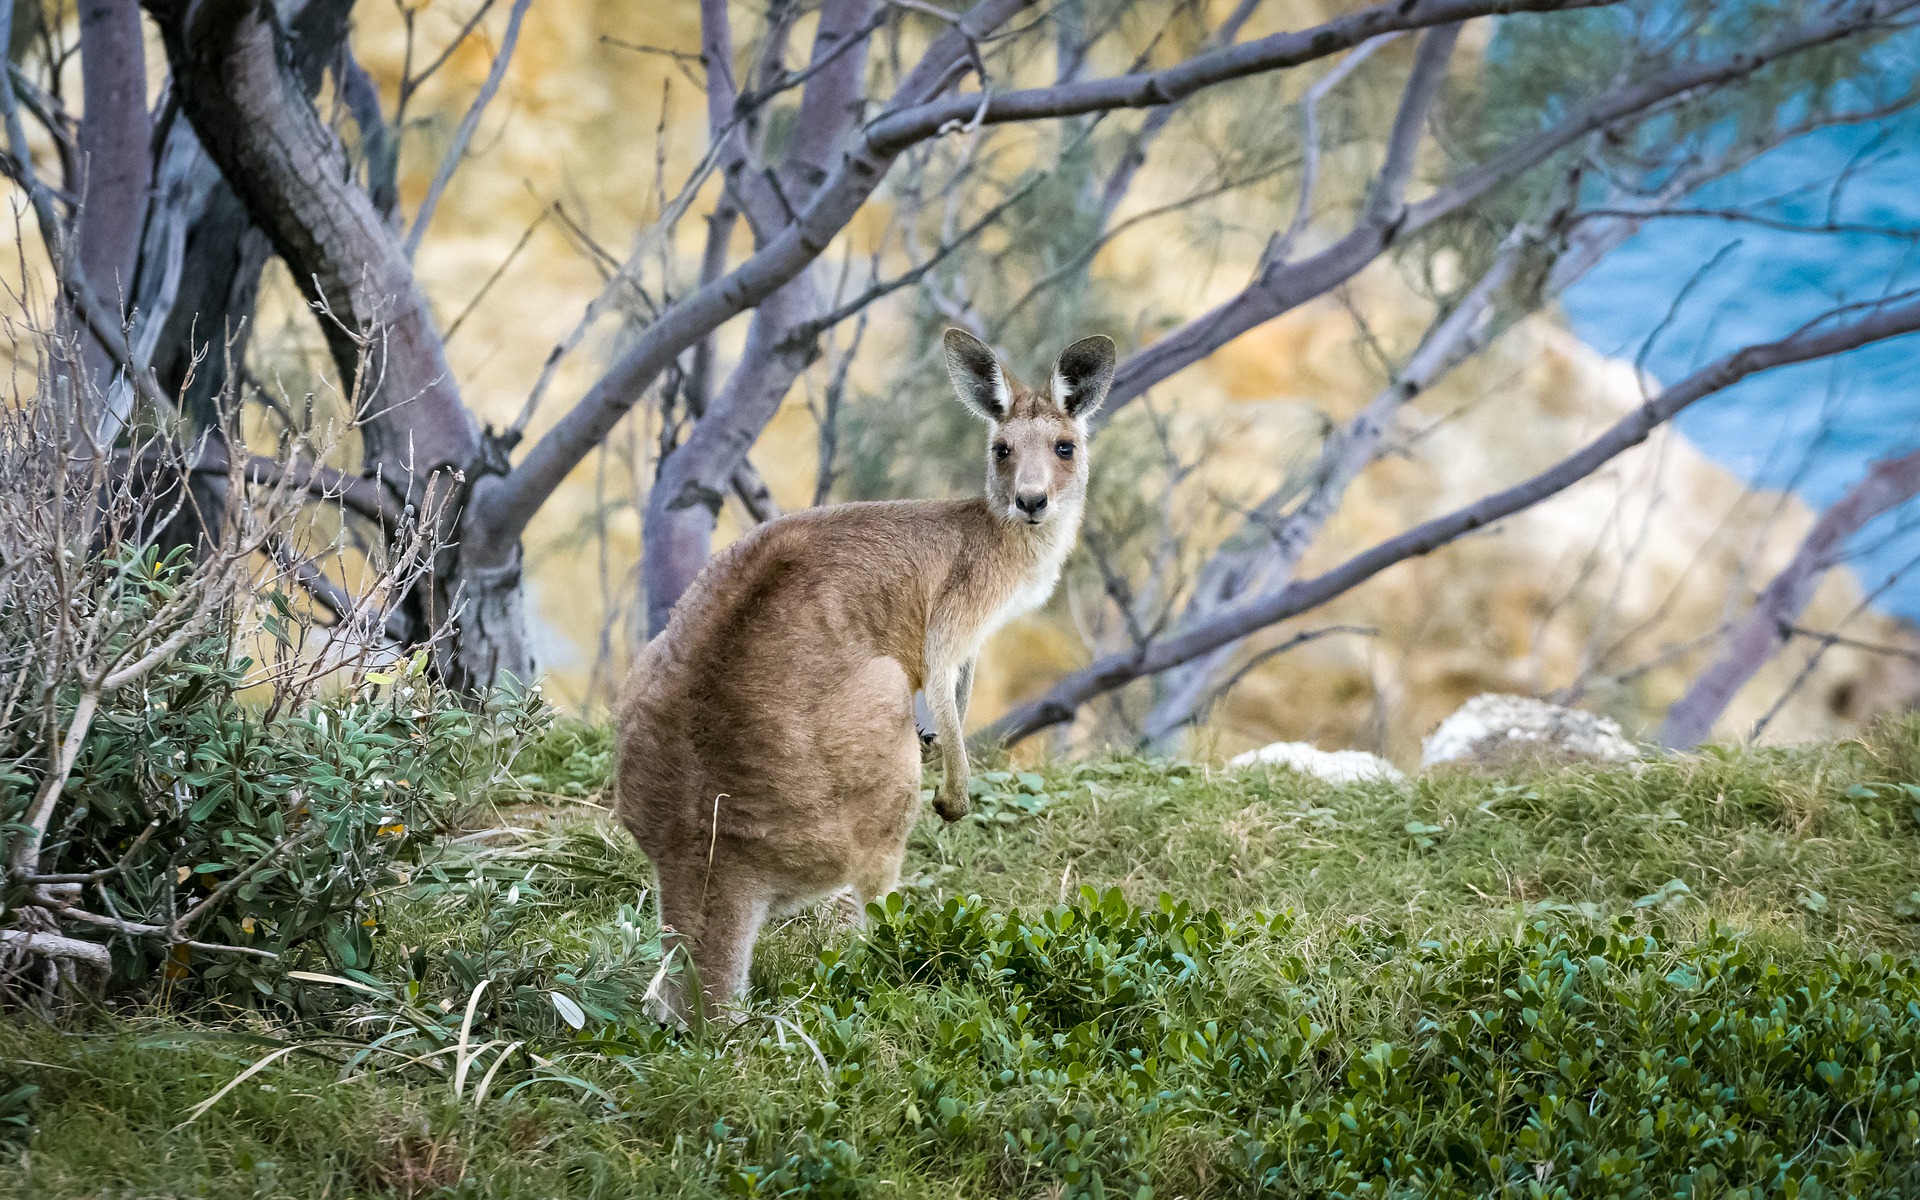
[(768, 751)]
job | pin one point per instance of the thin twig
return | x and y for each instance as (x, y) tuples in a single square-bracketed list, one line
[(464, 134)]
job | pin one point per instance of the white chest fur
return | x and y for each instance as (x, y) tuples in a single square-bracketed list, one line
[(1052, 543)]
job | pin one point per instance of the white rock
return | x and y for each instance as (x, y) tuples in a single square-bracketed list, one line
[(1334, 766), (1488, 726)]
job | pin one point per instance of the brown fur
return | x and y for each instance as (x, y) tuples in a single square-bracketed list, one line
[(768, 753)]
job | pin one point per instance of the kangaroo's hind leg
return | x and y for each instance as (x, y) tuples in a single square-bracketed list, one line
[(894, 797), (724, 952), (710, 924)]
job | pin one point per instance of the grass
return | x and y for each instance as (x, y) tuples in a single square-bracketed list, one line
[(1689, 976)]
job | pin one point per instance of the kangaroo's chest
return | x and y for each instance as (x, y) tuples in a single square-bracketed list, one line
[(1025, 592), (1027, 596)]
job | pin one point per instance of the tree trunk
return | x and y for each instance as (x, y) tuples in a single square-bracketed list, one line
[(232, 69), (204, 310), (197, 279), (113, 192), (685, 501)]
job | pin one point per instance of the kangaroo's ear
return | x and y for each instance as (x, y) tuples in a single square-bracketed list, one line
[(978, 378), (1083, 375)]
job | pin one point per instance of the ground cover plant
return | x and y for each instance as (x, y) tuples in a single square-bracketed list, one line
[(1692, 976)]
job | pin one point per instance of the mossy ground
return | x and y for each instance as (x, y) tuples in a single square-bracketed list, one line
[(930, 1063)]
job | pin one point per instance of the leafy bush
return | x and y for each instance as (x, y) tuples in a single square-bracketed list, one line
[(1566, 1061), (1004, 797), (167, 804), (1072, 963), (274, 833), (572, 758)]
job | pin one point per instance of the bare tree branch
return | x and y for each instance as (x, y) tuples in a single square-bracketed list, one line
[(1764, 631), (1134, 156), (288, 167), (100, 320), (1280, 287), (913, 117), (1282, 249), (115, 168), (1742, 217), (358, 494), (685, 501), (1149, 89), (231, 71), (463, 135), (53, 945), (410, 80), (1279, 543), (311, 578), (754, 494), (1829, 335), (379, 143)]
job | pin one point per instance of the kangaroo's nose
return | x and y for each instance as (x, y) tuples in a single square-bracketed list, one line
[(1031, 503)]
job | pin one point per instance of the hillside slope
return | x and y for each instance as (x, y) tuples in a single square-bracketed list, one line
[(1693, 973)]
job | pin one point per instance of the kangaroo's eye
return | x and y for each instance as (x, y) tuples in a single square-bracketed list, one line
[(1063, 449), (1001, 450)]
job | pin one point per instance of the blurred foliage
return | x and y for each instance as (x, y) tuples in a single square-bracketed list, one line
[(571, 757)]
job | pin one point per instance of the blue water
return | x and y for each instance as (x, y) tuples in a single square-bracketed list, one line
[(1702, 287)]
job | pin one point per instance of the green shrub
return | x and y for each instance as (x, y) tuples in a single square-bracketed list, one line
[(571, 758), (1565, 1061), (287, 827), (1399, 1031)]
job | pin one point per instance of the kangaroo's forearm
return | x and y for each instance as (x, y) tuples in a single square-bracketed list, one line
[(963, 691), (951, 803)]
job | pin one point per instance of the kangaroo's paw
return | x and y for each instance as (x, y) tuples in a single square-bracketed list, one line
[(843, 909), (950, 807)]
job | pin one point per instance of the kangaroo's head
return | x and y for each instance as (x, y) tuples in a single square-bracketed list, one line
[(1036, 449)]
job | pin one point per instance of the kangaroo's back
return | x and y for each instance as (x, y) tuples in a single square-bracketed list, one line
[(732, 693)]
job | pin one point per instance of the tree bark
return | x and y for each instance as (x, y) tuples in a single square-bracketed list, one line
[(201, 255), (114, 171), (199, 278), (684, 505), (231, 62), (1280, 287), (915, 116), (1763, 632), (113, 144)]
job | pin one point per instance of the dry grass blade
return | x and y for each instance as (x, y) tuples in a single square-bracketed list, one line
[(463, 1060), (486, 1081), (199, 1110)]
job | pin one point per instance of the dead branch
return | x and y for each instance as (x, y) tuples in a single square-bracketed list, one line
[(913, 117), (53, 945), (463, 135), (1757, 637), (1279, 288), (1829, 335)]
